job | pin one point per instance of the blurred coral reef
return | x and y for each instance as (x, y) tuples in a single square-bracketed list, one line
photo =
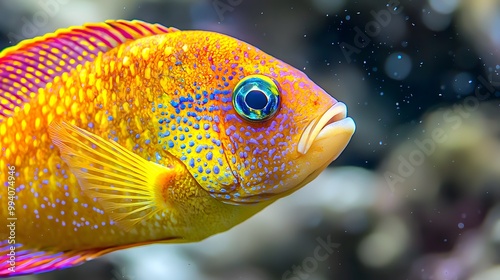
[(418, 193)]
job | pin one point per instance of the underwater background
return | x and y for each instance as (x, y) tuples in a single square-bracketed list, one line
[(415, 195)]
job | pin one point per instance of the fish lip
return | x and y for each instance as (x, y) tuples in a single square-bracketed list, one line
[(335, 116)]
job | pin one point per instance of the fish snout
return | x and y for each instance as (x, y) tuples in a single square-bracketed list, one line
[(333, 130)]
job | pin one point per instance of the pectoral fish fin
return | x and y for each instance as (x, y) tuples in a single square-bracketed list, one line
[(31, 64), (39, 261), (128, 187)]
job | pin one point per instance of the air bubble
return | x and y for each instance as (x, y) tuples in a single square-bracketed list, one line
[(398, 66)]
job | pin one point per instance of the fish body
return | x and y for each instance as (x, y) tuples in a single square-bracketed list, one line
[(126, 133)]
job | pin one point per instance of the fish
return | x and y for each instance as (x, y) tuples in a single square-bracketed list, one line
[(126, 133)]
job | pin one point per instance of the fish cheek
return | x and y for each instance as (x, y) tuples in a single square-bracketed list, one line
[(262, 156)]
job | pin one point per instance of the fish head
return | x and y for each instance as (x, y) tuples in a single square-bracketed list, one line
[(262, 128), (282, 130)]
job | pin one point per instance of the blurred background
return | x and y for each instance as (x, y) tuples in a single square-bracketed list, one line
[(416, 194)]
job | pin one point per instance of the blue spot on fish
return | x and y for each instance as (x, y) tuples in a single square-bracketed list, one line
[(199, 148)]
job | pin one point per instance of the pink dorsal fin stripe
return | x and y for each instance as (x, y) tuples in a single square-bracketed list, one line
[(33, 63)]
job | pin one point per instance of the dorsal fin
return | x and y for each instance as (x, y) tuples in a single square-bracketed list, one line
[(33, 63)]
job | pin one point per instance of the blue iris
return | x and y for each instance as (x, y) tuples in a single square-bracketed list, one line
[(256, 98)]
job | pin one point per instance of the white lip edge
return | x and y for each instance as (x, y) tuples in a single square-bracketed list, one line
[(345, 125), (315, 127)]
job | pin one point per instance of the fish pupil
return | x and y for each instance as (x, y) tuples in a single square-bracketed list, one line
[(256, 99)]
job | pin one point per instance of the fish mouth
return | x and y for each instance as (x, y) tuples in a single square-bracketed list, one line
[(322, 141), (333, 125)]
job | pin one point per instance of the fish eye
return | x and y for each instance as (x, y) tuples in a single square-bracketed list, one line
[(256, 98)]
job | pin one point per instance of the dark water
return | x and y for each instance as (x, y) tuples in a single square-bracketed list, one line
[(415, 194)]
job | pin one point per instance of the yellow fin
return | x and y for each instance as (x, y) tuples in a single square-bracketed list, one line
[(126, 185)]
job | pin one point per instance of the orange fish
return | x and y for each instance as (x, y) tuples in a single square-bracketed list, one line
[(126, 133)]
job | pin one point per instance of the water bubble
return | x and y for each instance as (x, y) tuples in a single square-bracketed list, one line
[(462, 83), (444, 6), (436, 21), (398, 66)]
